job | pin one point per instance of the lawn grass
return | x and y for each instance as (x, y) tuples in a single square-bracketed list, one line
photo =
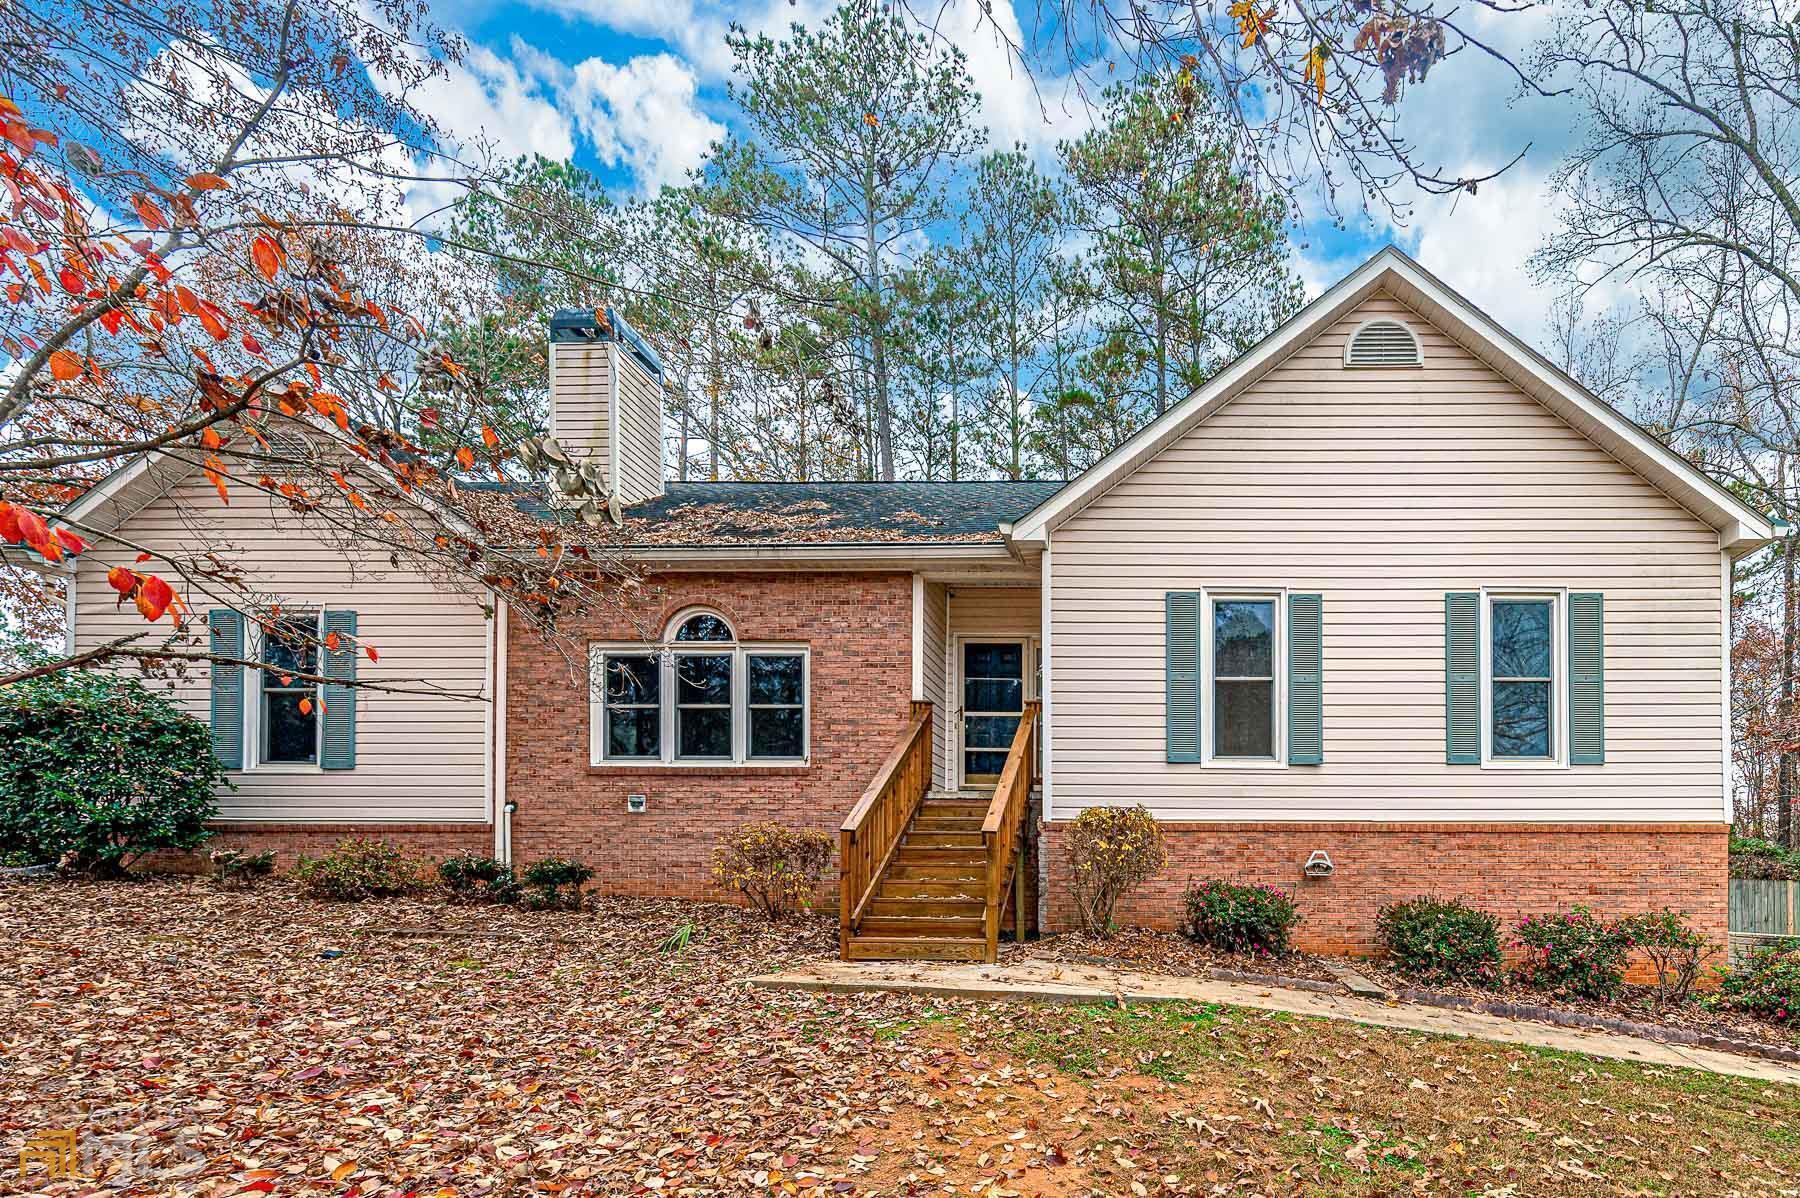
[(1247, 1098)]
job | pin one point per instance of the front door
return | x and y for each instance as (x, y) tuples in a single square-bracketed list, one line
[(993, 698)]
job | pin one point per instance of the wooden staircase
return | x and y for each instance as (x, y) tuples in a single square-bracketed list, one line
[(928, 875), (929, 903)]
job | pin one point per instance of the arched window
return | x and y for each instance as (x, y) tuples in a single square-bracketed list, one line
[(701, 698), (702, 626), (1383, 343)]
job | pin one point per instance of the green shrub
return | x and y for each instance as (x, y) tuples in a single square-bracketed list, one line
[(1111, 852), (469, 878), (775, 868), (98, 770), (554, 884), (359, 869), (1240, 919), (236, 869), (1767, 984), (1441, 940), (1576, 952), (1753, 858), (1674, 949)]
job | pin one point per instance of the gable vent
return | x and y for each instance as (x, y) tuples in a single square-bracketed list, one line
[(1383, 343)]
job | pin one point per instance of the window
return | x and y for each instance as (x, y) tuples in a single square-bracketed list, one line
[(1522, 668), (701, 698), (287, 708), (1242, 656)]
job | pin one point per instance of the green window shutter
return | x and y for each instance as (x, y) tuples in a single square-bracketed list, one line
[(227, 687), (1587, 678), (1462, 678), (1305, 683), (339, 751), (1181, 626)]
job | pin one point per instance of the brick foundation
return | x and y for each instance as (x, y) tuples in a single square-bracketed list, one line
[(859, 629), (1512, 870), (289, 841)]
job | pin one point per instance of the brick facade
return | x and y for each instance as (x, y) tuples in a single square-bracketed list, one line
[(859, 629), (290, 841), (1512, 870)]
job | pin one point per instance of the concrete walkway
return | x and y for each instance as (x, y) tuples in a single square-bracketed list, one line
[(1050, 981)]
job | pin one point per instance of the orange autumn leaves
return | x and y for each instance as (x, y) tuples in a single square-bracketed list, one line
[(153, 596)]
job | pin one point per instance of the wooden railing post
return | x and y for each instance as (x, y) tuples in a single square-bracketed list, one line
[(1000, 831)]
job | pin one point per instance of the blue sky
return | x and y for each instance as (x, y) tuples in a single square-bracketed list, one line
[(635, 90)]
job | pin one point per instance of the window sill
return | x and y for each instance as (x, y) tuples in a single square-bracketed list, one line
[(1243, 763), (1526, 766), (698, 769), (294, 768)]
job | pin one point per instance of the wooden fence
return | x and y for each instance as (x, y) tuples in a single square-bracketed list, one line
[(1763, 910)]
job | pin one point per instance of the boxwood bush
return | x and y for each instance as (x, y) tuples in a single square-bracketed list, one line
[(1439, 940), (97, 769)]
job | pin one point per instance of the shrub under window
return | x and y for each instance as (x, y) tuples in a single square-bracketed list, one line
[(98, 770), (1441, 940)]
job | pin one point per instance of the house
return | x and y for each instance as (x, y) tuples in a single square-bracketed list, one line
[(1391, 605)]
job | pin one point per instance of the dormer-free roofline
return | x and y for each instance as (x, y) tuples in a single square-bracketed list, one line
[(1741, 528)]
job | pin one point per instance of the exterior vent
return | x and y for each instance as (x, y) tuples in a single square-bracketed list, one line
[(1383, 343)]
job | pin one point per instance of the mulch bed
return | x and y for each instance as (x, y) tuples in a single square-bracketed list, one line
[(1166, 953), (1634, 1005), (1174, 955)]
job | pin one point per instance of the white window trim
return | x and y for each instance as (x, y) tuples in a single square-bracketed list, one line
[(1208, 693), (253, 706), (740, 653), (1559, 679)]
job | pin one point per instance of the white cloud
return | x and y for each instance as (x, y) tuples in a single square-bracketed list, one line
[(489, 99), (642, 115)]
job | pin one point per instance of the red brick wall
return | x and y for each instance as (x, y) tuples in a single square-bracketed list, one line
[(1512, 870), (859, 629), (289, 841)]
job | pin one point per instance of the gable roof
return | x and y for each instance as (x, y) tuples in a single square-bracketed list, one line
[(1741, 527), (818, 514)]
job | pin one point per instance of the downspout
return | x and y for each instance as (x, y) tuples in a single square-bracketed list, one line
[(503, 806)]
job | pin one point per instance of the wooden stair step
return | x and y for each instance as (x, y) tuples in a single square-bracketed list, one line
[(931, 888), (903, 948), (886, 906), (953, 808), (931, 839), (930, 926), (946, 823)]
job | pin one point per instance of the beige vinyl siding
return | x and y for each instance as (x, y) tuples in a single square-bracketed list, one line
[(580, 387), (1381, 490), (640, 430), (936, 662), (995, 611), (418, 758)]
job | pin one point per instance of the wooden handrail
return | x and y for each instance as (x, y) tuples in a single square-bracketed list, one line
[(1001, 827), (871, 832)]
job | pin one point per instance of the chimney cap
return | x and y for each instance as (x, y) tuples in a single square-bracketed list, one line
[(588, 324)]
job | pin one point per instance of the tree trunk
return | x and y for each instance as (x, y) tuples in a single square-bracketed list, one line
[(1784, 774)]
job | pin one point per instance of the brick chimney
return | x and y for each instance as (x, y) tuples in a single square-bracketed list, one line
[(606, 400)]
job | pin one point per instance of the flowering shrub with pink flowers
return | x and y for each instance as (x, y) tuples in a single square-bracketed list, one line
[(1441, 940), (1573, 952), (1768, 984), (1240, 919)]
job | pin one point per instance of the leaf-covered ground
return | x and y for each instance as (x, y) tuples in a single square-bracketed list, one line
[(228, 1043)]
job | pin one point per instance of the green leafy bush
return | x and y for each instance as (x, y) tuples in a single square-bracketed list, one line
[(98, 770), (1753, 858), (1441, 940), (469, 878), (775, 868), (1767, 984), (1111, 852), (1674, 949), (554, 884), (236, 869), (1235, 918), (1575, 952), (359, 869)]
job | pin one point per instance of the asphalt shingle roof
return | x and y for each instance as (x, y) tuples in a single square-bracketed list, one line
[(781, 513)]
